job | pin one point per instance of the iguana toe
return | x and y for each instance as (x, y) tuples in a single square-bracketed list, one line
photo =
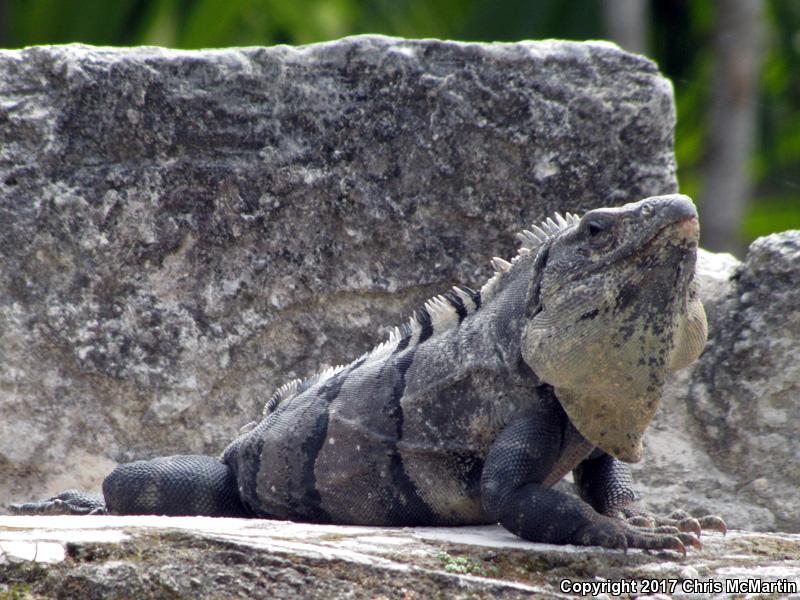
[(689, 539), (641, 521), (713, 523), (678, 515), (660, 541), (605, 533)]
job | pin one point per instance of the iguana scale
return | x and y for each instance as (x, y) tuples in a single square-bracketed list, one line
[(472, 410)]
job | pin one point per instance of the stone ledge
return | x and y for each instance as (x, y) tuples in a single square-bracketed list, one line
[(190, 556)]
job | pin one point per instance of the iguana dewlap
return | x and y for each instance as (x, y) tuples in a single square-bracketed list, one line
[(472, 410)]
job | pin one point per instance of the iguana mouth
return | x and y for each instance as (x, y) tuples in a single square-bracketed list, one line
[(685, 230), (688, 228)]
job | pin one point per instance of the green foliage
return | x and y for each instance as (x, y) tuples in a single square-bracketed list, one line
[(31, 22), (465, 565), (16, 591), (770, 214), (680, 35)]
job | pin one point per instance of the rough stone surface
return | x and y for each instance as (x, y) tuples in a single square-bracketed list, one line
[(163, 557), (745, 394), (726, 436), (182, 232)]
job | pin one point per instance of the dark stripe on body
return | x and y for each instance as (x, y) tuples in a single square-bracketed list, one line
[(458, 304), (424, 319), (405, 505), (243, 457), (535, 304), (402, 344), (311, 502), (476, 296)]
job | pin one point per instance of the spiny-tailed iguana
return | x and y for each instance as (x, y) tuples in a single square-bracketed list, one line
[(472, 410)]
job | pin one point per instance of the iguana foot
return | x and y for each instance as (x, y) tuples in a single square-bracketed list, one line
[(679, 519), (71, 502), (612, 532), (630, 527)]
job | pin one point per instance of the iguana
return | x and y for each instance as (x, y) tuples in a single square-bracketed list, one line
[(472, 410)]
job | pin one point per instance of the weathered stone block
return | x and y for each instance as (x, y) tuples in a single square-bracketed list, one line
[(726, 437), (184, 231)]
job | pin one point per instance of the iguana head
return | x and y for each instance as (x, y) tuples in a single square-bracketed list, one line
[(612, 312)]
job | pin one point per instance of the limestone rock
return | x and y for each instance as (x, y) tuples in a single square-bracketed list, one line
[(182, 232), (725, 439), (169, 557)]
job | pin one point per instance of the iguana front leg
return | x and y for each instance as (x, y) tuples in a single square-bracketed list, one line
[(519, 460), (606, 484)]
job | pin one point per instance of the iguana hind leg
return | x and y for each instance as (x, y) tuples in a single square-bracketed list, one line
[(171, 485), (174, 485)]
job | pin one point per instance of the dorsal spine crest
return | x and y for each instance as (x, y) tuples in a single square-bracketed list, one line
[(538, 234), (439, 313)]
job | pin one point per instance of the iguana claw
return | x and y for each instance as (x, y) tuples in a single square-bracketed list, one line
[(713, 523)]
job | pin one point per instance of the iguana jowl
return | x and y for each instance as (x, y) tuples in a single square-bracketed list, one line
[(472, 410)]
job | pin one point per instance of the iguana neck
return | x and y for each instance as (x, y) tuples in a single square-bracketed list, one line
[(502, 317)]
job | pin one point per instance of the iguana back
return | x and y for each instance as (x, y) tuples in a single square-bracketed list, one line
[(399, 436)]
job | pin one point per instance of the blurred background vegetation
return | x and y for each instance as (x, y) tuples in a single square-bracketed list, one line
[(735, 65)]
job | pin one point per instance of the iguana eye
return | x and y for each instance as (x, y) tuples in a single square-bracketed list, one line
[(595, 228), (598, 232)]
